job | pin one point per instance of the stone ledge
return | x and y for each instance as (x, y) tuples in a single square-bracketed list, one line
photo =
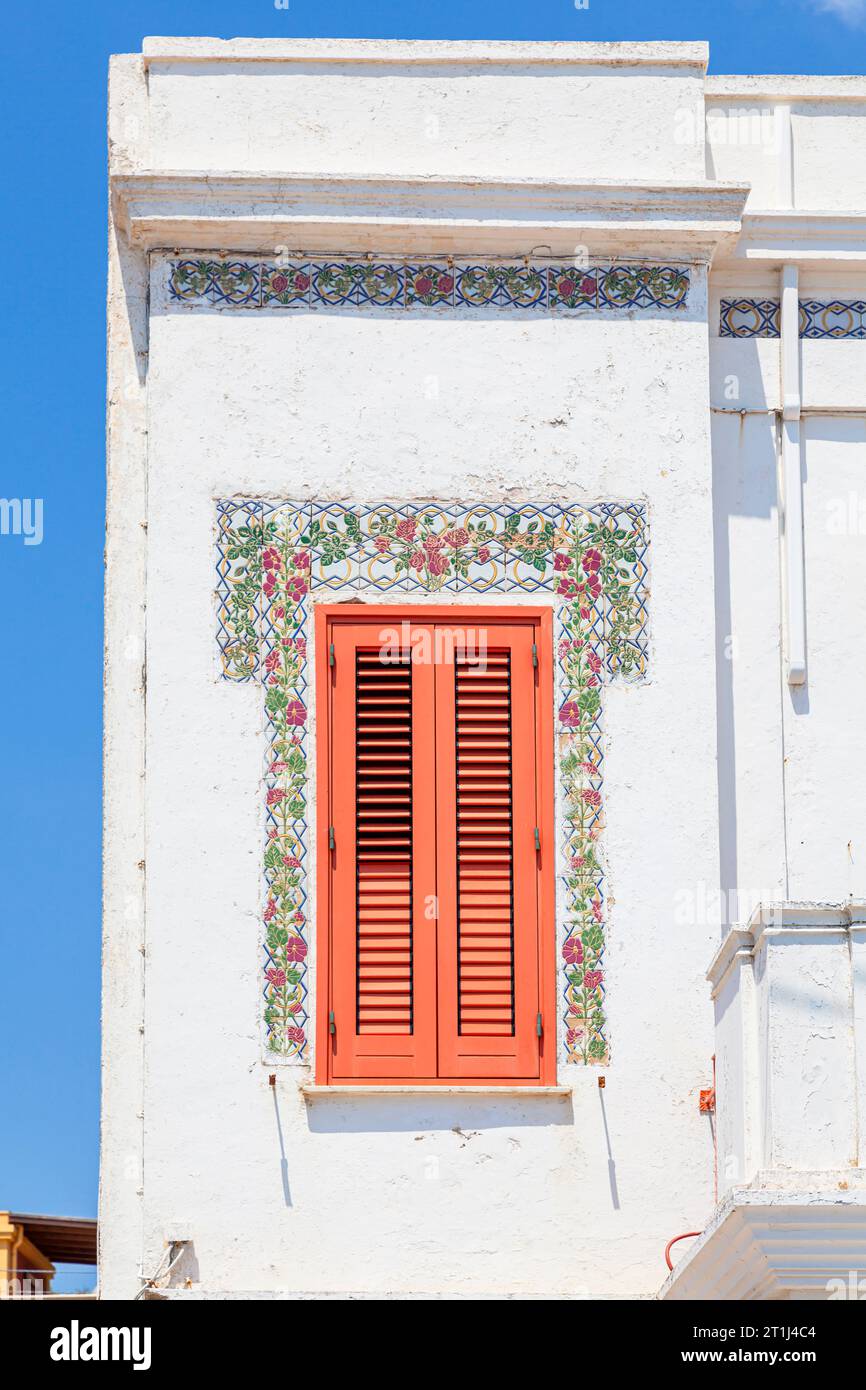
[(788, 920), (313, 1092), (196, 210), (764, 1245), (402, 52)]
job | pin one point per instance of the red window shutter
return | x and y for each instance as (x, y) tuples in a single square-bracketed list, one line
[(435, 891), (487, 860), (383, 968)]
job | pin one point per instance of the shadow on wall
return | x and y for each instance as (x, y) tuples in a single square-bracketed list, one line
[(468, 1118), (463, 1115), (749, 586), (842, 528), (744, 470)]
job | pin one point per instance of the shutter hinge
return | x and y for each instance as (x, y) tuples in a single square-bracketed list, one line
[(535, 653), (332, 843), (537, 839), (538, 1025), (332, 1026), (332, 660)]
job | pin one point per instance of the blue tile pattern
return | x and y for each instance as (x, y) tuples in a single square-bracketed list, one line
[(819, 318), (749, 318), (421, 285)]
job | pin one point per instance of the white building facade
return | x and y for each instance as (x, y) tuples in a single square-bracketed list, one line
[(559, 348)]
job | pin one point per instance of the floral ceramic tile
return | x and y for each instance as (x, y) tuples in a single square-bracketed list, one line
[(643, 287), (355, 546), (429, 285), (592, 557), (190, 281), (358, 283), (238, 593), (420, 285), (235, 283), (286, 286), (569, 287), (501, 286)]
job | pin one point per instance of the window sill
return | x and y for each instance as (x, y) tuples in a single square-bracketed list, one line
[(313, 1092)]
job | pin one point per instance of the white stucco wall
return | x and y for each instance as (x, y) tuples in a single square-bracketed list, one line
[(716, 775), (413, 108), (788, 999), (789, 759), (798, 140), (334, 406)]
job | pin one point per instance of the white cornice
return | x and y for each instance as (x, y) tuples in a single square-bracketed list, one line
[(806, 915), (779, 87), (783, 919), (739, 942), (802, 237), (258, 212), (412, 51), (765, 1243)]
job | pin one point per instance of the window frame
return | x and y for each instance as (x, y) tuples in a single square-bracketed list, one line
[(329, 615)]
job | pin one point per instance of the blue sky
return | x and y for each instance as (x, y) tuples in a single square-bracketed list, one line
[(52, 100)]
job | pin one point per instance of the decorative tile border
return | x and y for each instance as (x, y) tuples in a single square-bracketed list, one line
[(272, 555), (832, 319), (749, 318), (418, 285), (761, 318)]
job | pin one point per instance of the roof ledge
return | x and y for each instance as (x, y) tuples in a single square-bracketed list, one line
[(255, 213), (809, 238), (776, 920), (481, 53), (775, 1243)]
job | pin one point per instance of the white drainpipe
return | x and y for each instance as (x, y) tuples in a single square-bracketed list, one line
[(790, 478), (791, 484)]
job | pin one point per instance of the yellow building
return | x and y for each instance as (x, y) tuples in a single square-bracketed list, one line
[(31, 1246)]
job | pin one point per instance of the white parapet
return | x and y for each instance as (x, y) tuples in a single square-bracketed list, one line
[(790, 1003)]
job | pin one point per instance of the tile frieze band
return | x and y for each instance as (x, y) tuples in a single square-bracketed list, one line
[(418, 285), (762, 318)]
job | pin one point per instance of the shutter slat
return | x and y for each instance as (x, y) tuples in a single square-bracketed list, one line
[(383, 844), (484, 844)]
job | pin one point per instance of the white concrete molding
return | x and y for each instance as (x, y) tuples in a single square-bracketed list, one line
[(257, 212), (772, 1244), (779, 920), (799, 916), (801, 238), (738, 945), (483, 53), (790, 1031), (310, 1091), (772, 87)]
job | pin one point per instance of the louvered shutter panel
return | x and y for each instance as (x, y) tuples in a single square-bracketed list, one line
[(487, 861), (437, 912), (484, 793), (383, 842), (383, 948)]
